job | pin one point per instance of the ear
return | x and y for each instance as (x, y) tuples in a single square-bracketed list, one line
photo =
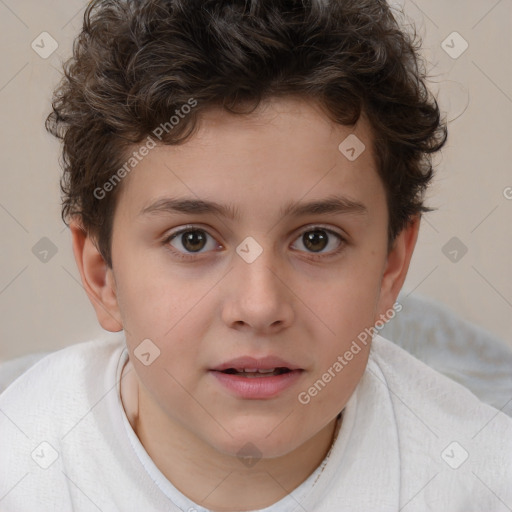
[(97, 278), (397, 265)]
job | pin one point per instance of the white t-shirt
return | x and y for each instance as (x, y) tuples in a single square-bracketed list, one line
[(411, 440)]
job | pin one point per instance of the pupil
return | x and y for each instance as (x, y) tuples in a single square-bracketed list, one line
[(312, 238), (193, 240)]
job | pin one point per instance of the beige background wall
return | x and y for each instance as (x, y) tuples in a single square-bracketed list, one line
[(42, 304)]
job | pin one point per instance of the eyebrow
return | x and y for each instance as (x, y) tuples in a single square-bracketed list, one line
[(330, 205)]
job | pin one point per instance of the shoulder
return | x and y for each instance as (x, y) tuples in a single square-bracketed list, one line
[(410, 380), (59, 386), (465, 352), (66, 365), (442, 428), (53, 415)]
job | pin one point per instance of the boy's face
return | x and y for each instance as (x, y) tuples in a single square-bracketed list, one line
[(304, 299)]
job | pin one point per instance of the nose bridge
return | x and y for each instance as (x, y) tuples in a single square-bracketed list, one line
[(258, 295), (256, 266)]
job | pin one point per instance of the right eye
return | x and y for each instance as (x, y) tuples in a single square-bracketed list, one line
[(191, 239)]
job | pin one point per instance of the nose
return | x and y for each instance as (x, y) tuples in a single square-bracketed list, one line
[(258, 296)]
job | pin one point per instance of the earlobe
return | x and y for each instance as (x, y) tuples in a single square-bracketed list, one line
[(97, 278), (397, 265)]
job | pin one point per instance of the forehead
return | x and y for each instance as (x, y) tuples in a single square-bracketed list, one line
[(286, 150)]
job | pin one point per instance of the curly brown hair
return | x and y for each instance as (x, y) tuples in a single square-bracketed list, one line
[(135, 63)]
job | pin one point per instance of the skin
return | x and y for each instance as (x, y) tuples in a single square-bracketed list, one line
[(304, 304)]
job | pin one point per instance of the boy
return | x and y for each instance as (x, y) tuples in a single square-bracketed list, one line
[(243, 181)]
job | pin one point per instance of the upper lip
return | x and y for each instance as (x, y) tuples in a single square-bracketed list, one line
[(263, 363)]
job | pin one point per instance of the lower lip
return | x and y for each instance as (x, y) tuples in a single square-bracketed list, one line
[(257, 387)]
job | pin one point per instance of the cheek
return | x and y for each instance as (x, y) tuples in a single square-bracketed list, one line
[(165, 310), (343, 342), (345, 310), (151, 301), (346, 301)]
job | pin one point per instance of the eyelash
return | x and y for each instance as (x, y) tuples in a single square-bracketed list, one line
[(193, 256)]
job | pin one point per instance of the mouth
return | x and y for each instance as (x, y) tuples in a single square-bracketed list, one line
[(252, 373), (256, 379)]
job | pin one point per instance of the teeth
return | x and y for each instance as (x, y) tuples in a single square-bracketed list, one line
[(255, 370)]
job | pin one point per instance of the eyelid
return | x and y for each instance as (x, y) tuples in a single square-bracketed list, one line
[(313, 226), (308, 227), (188, 227)]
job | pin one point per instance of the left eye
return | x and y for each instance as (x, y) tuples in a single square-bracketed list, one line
[(315, 240), (193, 240)]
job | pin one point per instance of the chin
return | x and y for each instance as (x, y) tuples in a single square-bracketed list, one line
[(253, 438)]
